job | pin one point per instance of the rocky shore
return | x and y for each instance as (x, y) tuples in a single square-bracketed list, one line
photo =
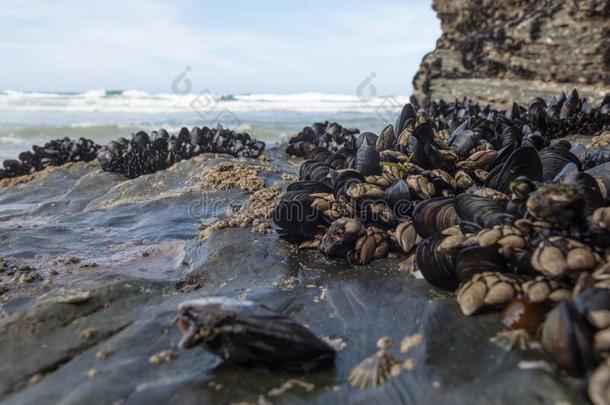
[(97, 256), (95, 266)]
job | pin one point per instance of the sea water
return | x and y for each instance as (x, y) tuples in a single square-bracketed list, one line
[(31, 118)]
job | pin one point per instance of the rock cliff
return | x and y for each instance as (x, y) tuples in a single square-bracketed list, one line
[(512, 50)]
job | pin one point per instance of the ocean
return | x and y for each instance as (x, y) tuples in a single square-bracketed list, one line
[(33, 118)]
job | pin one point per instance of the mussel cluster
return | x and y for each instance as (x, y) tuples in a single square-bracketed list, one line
[(53, 153), (539, 122), (488, 206), (562, 115), (145, 154), (327, 135)]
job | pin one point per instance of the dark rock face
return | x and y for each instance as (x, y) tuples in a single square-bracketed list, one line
[(514, 50), (94, 334)]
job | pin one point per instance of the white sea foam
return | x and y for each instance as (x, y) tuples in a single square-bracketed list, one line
[(135, 101), (10, 140)]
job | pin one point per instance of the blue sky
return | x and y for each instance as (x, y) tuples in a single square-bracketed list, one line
[(231, 46)]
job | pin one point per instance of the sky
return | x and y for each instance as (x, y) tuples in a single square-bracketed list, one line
[(225, 46)]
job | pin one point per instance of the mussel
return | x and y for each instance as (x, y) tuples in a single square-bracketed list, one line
[(432, 216), (248, 333), (436, 266), (522, 162), (568, 338)]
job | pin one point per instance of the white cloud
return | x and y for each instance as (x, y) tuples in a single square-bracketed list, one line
[(110, 36), (77, 45)]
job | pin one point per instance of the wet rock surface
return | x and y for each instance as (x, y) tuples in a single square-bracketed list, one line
[(503, 51), (117, 256)]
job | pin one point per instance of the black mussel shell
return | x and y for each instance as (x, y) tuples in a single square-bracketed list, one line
[(141, 139), (307, 134), (597, 157), (159, 144), (538, 115), (248, 333), (523, 263), (398, 197), (580, 151), (503, 155), (407, 116), (162, 133), (568, 338), (589, 188), (369, 137), (570, 106), (463, 139), (514, 113), (481, 211), (436, 267), (300, 148), (522, 162), (367, 159), (475, 259), (534, 140), (28, 158), (432, 216), (602, 173), (305, 169), (568, 170), (309, 186), (594, 304), (386, 140), (510, 137), (317, 129), (196, 136), (424, 153), (318, 154), (184, 136), (343, 179), (14, 168), (295, 218), (321, 173), (316, 171), (341, 159), (554, 158)]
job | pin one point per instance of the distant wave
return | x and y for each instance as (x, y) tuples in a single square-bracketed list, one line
[(136, 101)]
